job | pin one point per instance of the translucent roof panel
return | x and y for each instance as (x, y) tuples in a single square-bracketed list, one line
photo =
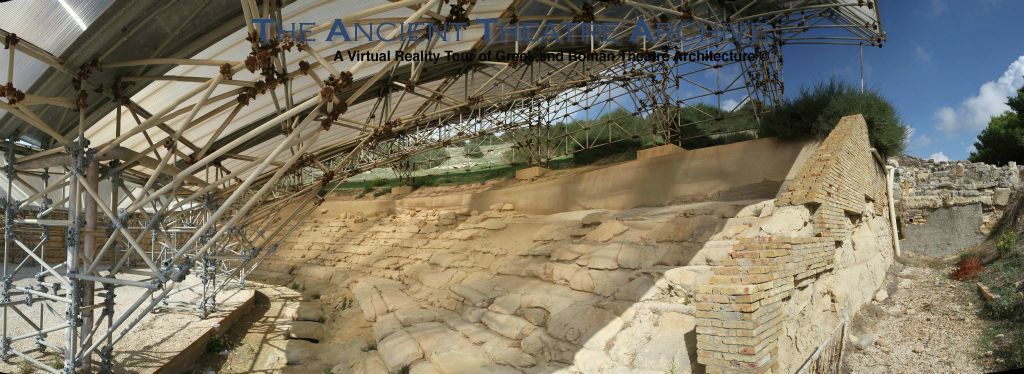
[(52, 25)]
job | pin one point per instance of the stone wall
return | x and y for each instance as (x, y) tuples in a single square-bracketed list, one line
[(946, 207), (715, 285), (784, 281)]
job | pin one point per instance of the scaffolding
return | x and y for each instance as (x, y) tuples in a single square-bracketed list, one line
[(169, 194)]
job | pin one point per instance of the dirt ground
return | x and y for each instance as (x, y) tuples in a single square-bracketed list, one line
[(257, 342), (929, 323)]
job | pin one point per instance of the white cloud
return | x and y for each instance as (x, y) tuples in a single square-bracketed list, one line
[(922, 54), (918, 141), (729, 104), (974, 112), (938, 157)]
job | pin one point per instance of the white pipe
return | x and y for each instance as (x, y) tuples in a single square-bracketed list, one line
[(890, 172)]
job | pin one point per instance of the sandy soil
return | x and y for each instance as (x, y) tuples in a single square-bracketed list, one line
[(256, 343), (158, 337), (928, 324)]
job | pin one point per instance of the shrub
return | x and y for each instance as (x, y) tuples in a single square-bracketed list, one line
[(815, 112), (968, 269), (608, 152), (1007, 242)]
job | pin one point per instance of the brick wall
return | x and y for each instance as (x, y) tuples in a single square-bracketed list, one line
[(740, 312)]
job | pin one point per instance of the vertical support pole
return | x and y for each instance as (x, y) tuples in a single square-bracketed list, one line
[(92, 178), (5, 343), (72, 248)]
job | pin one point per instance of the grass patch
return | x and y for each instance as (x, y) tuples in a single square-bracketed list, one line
[(1005, 278)]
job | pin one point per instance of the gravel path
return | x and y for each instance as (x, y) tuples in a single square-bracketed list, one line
[(927, 324)]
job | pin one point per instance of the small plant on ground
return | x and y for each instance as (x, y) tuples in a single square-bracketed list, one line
[(24, 367), (968, 269), (217, 344), (1007, 242), (55, 362), (673, 369)]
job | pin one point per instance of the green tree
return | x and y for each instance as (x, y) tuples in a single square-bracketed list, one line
[(1003, 140)]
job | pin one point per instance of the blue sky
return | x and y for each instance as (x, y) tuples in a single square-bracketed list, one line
[(947, 66)]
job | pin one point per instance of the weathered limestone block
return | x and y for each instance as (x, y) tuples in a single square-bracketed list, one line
[(412, 315), (507, 304), (476, 333), (552, 232), (581, 280), (424, 367), (663, 351), (604, 257), (297, 352), (463, 361), (633, 256), (369, 300), (493, 224), (367, 363), (786, 221), (506, 354), (570, 252), (689, 277), (471, 296), (472, 314), (399, 350), (713, 252), (385, 326), (595, 218), (698, 228), (606, 282), (309, 311), (637, 289), (1001, 196), (589, 360), (512, 327), (632, 338), (578, 323), (306, 330), (435, 338), (547, 301), (606, 231), (437, 279), (547, 348)]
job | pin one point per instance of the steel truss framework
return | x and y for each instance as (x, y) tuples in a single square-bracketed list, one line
[(174, 210)]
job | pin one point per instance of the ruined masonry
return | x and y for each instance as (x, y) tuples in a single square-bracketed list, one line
[(741, 312), (724, 284), (947, 207)]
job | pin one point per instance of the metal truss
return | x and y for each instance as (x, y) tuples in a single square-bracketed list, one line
[(177, 209)]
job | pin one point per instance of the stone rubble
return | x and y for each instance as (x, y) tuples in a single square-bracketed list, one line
[(449, 291)]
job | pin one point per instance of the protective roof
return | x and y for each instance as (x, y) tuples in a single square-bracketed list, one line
[(216, 31)]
